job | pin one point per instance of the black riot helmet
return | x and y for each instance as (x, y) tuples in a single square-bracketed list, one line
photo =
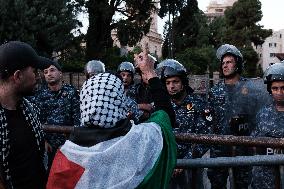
[(274, 72), (228, 49), (170, 68)]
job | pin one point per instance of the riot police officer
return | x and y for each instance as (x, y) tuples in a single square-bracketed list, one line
[(235, 101), (126, 72), (270, 123), (192, 115)]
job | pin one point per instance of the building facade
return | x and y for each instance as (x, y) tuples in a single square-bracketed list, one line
[(271, 50), (217, 8)]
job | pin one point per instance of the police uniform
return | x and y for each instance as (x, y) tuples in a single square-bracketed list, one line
[(270, 123), (58, 108), (192, 116), (234, 108)]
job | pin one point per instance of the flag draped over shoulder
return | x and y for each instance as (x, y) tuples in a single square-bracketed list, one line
[(144, 158)]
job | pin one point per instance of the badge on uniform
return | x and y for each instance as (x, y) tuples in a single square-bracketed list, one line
[(189, 106), (208, 115), (244, 91), (64, 94)]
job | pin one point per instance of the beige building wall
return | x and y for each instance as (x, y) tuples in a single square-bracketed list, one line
[(266, 51), (217, 8)]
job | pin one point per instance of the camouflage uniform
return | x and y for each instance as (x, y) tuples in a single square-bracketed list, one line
[(58, 108), (270, 123), (192, 116), (234, 108)]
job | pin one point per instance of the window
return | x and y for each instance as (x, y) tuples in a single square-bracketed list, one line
[(272, 54), (260, 55), (219, 10), (270, 44), (280, 36), (275, 44)]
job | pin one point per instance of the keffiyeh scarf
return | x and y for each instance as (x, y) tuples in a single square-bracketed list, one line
[(102, 101)]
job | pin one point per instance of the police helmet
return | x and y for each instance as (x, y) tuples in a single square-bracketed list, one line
[(126, 66), (94, 67), (170, 68), (274, 72), (228, 49)]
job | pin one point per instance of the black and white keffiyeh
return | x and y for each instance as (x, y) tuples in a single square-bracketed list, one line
[(102, 101)]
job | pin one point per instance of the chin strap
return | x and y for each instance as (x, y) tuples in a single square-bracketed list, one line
[(178, 95)]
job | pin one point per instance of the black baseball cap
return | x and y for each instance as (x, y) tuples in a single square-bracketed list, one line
[(16, 55)]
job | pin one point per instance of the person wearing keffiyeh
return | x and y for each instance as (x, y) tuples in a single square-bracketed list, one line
[(22, 146), (109, 151)]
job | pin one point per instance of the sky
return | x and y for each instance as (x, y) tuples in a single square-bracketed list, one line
[(272, 11)]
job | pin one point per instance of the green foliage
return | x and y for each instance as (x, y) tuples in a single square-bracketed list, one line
[(171, 6), (46, 25), (217, 29), (73, 66), (250, 61), (242, 24), (198, 60), (189, 29), (133, 23)]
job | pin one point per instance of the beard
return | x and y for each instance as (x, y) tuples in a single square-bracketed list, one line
[(27, 91)]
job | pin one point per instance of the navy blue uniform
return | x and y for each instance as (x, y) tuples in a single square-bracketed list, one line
[(270, 123), (58, 108), (234, 108), (192, 116)]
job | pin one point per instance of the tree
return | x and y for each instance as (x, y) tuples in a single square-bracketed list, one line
[(242, 24), (46, 25), (199, 59), (250, 61), (189, 29), (133, 22), (217, 29)]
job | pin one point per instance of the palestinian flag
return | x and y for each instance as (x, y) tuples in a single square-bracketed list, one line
[(144, 158)]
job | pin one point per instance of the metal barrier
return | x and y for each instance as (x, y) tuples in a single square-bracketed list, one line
[(219, 140)]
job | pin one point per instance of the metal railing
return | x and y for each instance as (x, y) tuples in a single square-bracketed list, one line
[(228, 140)]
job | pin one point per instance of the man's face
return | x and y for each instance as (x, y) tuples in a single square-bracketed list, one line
[(126, 78), (228, 65), (174, 85), (28, 82), (277, 90), (52, 75)]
